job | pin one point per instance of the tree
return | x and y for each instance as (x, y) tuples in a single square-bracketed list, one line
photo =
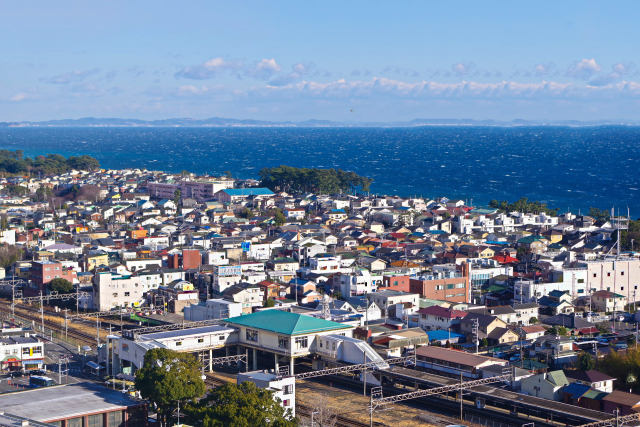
[(484, 342), (269, 303), (168, 377), (177, 196), (60, 285), (9, 254), (4, 222), (246, 213), (557, 330), (586, 362), (278, 217), (603, 327), (241, 405), (533, 320)]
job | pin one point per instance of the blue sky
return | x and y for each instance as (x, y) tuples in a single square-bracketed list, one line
[(337, 60)]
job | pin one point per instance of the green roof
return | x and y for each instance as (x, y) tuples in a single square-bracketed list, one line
[(284, 322), (594, 394), (557, 378)]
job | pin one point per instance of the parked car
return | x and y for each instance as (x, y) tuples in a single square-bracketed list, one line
[(16, 374)]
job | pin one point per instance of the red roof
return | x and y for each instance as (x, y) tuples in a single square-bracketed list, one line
[(506, 259)]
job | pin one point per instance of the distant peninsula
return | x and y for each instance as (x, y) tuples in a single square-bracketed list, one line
[(231, 122)]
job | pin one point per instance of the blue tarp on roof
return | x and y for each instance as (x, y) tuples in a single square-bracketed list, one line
[(496, 242), (441, 334)]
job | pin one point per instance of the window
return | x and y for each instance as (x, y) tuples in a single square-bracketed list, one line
[(115, 295), (252, 335), (283, 342), (439, 287), (460, 286), (126, 294), (115, 419), (594, 275), (96, 420), (286, 402), (178, 343), (288, 389), (580, 280), (450, 286), (200, 340), (302, 342), (608, 274)]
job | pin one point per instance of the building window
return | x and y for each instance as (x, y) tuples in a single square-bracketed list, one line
[(96, 420), (126, 294), (622, 273), (285, 402), (594, 275), (200, 340), (283, 342), (288, 389), (460, 285), (608, 274), (178, 343), (302, 342), (450, 286), (252, 335)]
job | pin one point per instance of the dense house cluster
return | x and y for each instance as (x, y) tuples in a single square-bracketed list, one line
[(405, 272)]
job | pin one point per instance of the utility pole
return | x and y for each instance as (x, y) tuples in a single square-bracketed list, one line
[(364, 374), (41, 313), (461, 401)]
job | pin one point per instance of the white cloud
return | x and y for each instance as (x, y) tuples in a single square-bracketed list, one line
[(21, 96), (208, 69), (461, 69), (584, 69), (263, 69)]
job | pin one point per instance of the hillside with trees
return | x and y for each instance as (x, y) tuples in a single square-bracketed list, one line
[(522, 205), (305, 180), (14, 162)]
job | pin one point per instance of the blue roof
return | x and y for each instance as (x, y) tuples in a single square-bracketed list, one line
[(576, 390), (441, 334), (337, 211), (496, 242), (253, 191), (437, 232)]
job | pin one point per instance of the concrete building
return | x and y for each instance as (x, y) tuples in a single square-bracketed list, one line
[(444, 284), (199, 190), (126, 354), (282, 387), (76, 405), (212, 309), (396, 304), (21, 353), (43, 272), (283, 334)]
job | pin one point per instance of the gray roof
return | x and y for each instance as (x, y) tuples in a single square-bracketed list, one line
[(64, 401)]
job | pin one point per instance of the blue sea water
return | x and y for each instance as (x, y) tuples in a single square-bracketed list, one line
[(567, 167)]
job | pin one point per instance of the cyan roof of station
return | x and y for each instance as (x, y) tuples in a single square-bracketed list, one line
[(286, 323)]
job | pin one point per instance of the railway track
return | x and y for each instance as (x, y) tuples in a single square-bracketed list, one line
[(32, 315), (341, 421)]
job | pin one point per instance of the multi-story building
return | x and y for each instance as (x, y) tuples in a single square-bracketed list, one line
[(199, 190), (43, 272), (448, 284), (21, 353)]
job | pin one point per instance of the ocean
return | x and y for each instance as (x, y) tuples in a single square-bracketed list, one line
[(567, 167)]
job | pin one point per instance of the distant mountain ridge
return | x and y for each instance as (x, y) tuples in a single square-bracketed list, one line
[(230, 122)]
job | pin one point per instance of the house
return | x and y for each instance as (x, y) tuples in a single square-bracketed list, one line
[(436, 317), (607, 301), (250, 296), (555, 350), (530, 333), (396, 343), (592, 378), (525, 312), (557, 302), (232, 195), (396, 304), (547, 385), (489, 327)]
